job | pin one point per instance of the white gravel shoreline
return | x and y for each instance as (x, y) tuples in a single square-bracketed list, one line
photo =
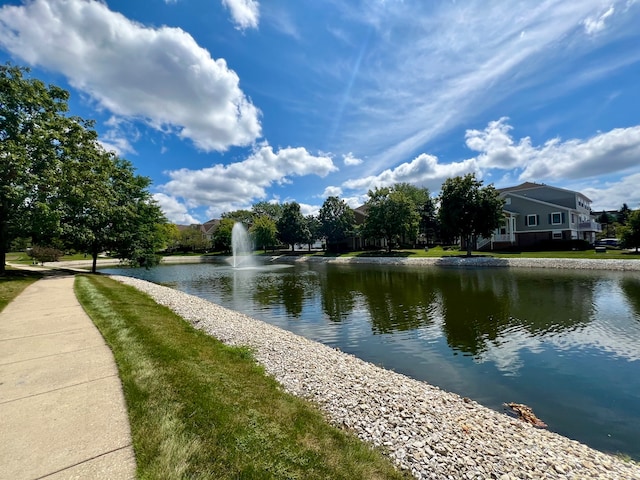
[(430, 432)]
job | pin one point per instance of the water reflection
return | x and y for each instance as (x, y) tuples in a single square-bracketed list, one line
[(565, 342)]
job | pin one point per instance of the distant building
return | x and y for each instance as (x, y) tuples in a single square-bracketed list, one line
[(536, 213)]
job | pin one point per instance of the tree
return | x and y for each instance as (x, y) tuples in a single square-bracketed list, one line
[(467, 209), (312, 230), (336, 219), (58, 185), (243, 216), (192, 239), (104, 205), (291, 225), (425, 207), (268, 209), (631, 231), (264, 232), (172, 237), (390, 215), (30, 129), (623, 214), (223, 236)]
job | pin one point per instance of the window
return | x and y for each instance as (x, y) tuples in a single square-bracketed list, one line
[(557, 235), (573, 218), (556, 218), (531, 220), (507, 201)]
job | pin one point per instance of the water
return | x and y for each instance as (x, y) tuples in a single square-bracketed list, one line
[(566, 343), (241, 247)]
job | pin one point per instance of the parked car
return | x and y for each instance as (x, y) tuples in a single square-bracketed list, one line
[(608, 242)]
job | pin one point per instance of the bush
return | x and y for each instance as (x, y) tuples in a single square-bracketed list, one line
[(44, 254)]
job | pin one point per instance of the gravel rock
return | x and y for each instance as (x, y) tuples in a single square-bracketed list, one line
[(431, 433)]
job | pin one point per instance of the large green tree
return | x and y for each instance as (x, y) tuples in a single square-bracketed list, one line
[(337, 221), (291, 225), (223, 236), (264, 232), (468, 210), (391, 214), (425, 207), (59, 186), (32, 120), (631, 231), (268, 209)]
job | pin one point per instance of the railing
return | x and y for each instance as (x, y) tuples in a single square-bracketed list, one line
[(504, 238), (589, 227)]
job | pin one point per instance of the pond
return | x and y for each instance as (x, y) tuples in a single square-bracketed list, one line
[(564, 342)]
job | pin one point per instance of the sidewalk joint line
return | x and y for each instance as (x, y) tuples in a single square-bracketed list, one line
[(90, 347), (86, 460), (59, 388)]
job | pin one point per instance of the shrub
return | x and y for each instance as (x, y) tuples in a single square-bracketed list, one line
[(44, 254)]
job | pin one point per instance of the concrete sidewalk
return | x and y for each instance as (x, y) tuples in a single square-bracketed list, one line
[(62, 411)]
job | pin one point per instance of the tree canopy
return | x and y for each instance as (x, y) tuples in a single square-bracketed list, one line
[(336, 220), (631, 231), (264, 232), (467, 209), (391, 214), (58, 185), (291, 225)]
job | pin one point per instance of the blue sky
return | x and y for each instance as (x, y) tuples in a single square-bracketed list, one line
[(224, 103)]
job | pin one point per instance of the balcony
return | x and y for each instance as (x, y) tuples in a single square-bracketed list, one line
[(589, 227)]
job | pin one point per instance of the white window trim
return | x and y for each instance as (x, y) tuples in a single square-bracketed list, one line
[(560, 215), (535, 220)]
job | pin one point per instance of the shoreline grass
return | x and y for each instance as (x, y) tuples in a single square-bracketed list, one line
[(13, 282), (201, 409)]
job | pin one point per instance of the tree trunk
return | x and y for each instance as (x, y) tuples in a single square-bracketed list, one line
[(94, 256), (468, 240), (4, 243)]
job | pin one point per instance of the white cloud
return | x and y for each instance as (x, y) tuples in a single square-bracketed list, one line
[(157, 75), (499, 149), (424, 170), (605, 153), (228, 187), (593, 25), (560, 162), (245, 13), (611, 195), (174, 210), (432, 67), (331, 192), (349, 160)]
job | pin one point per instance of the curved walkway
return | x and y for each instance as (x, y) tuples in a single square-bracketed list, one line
[(62, 411)]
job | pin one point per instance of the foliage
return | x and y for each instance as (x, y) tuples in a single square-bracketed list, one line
[(171, 235), (391, 215), (631, 231), (243, 216), (57, 183), (222, 237), (425, 207), (30, 121), (291, 225), (467, 209), (264, 232), (268, 209), (314, 229), (623, 214), (116, 214), (44, 254), (192, 239), (336, 220)]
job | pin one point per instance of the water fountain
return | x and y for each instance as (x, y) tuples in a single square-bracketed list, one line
[(241, 247)]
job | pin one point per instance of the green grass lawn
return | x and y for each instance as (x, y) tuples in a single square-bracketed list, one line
[(200, 409), (24, 259), (438, 252), (13, 282)]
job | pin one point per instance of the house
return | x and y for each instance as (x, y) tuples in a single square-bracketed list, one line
[(536, 213)]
